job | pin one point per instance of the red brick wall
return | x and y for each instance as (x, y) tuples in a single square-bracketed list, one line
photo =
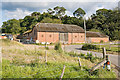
[(50, 37), (96, 39), (76, 38)]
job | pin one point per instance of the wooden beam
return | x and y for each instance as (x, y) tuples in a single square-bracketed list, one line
[(62, 73), (79, 62), (97, 66), (104, 52)]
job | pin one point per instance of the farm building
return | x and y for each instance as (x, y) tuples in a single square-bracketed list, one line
[(64, 33), (52, 33), (96, 37)]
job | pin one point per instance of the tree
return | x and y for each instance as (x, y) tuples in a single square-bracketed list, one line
[(59, 11), (106, 21), (11, 26), (79, 13), (49, 20), (36, 14), (72, 20), (50, 11)]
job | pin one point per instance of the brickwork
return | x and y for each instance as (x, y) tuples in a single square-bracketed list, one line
[(50, 37), (97, 39)]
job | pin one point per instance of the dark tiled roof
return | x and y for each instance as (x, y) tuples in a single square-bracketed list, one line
[(95, 34), (50, 27)]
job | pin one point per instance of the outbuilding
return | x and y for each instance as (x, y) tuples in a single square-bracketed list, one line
[(52, 33), (64, 33), (96, 37)]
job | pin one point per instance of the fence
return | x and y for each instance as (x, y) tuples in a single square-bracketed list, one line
[(65, 70)]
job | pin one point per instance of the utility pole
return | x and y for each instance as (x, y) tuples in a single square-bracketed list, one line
[(85, 29)]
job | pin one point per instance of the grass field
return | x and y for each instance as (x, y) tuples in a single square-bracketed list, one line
[(113, 49), (22, 61)]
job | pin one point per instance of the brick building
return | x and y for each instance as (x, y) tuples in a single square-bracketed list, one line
[(96, 37), (52, 33)]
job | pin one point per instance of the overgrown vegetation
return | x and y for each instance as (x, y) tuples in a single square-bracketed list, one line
[(29, 62), (58, 47), (90, 46)]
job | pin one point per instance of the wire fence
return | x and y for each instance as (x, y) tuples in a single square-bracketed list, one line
[(59, 69)]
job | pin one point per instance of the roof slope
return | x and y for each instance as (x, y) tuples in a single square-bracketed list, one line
[(50, 27), (95, 34)]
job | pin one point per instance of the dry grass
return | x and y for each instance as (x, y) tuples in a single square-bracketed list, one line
[(21, 53)]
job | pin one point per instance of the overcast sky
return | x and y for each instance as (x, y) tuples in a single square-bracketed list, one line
[(18, 10)]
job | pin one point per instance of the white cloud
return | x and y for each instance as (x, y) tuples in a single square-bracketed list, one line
[(17, 14), (69, 13), (59, 0)]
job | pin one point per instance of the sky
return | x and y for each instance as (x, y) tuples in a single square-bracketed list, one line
[(10, 9)]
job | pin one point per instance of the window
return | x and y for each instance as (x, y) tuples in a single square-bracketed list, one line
[(50, 35), (42, 35)]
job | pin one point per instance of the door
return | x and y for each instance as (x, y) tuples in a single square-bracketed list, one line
[(63, 37)]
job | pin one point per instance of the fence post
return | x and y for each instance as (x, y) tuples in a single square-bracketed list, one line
[(62, 73), (46, 56), (79, 62), (104, 52)]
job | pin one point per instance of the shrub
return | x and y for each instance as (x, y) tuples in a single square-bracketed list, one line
[(47, 48), (81, 54), (58, 47), (89, 56), (89, 46), (101, 41)]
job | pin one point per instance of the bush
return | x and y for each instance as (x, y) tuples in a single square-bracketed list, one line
[(89, 46), (101, 41), (58, 47), (81, 54), (47, 48)]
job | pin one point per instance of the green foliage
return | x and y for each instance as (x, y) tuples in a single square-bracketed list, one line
[(50, 70), (50, 11), (59, 11), (11, 26), (47, 48), (101, 41), (81, 54), (49, 20), (89, 46), (72, 20), (79, 13), (106, 21), (58, 47), (95, 30)]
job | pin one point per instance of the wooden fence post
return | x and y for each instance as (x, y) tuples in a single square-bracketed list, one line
[(79, 62), (62, 73), (104, 52), (45, 56)]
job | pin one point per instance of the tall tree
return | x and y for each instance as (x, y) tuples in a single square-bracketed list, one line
[(36, 14), (50, 11), (11, 26), (79, 13), (59, 11)]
